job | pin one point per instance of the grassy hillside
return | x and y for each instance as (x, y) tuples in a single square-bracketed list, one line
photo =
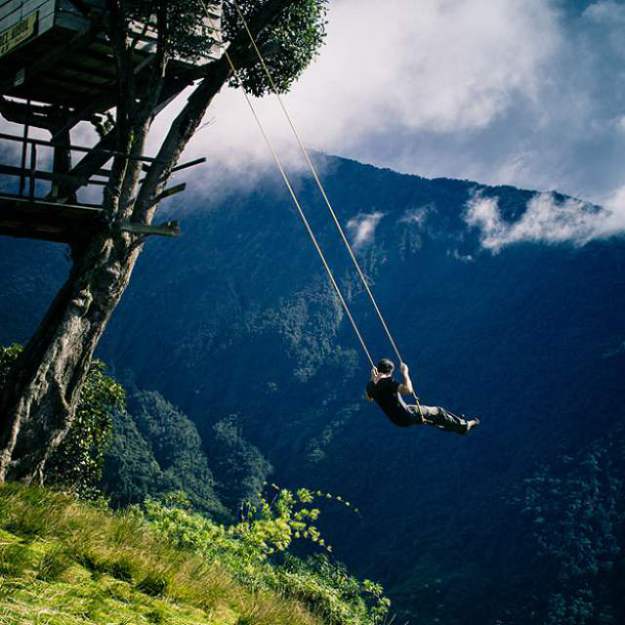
[(69, 563), (234, 323)]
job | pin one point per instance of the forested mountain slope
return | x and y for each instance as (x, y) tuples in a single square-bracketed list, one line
[(235, 324)]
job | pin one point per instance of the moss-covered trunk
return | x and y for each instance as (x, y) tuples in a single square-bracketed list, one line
[(38, 402)]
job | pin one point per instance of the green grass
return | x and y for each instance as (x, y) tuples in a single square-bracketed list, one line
[(67, 563)]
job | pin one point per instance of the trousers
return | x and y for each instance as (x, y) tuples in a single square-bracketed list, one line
[(438, 417)]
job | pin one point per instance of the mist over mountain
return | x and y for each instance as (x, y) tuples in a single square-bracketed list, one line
[(236, 325)]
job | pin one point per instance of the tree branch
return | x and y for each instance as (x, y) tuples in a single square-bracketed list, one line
[(187, 121)]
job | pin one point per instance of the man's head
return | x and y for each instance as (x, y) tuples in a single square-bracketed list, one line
[(385, 366)]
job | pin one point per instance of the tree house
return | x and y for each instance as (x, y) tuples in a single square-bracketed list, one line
[(57, 69)]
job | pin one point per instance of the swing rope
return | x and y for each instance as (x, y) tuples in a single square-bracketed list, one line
[(324, 195), (303, 217)]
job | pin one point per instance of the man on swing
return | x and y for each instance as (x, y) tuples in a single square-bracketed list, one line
[(387, 393)]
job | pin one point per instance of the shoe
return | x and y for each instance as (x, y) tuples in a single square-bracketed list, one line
[(476, 422)]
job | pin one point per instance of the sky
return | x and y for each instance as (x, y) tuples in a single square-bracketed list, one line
[(523, 92), (529, 93)]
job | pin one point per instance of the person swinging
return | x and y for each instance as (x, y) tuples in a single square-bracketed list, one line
[(387, 393)]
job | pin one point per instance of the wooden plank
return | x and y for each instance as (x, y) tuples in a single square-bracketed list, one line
[(80, 79), (53, 57), (13, 6), (75, 5), (71, 21), (10, 170), (77, 148), (78, 67), (98, 54), (48, 221), (67, 90), (90, 209), (186, 165), (21, 8), (167, 229), (25, 9), (13, 36), (33, 169), (179, 188)]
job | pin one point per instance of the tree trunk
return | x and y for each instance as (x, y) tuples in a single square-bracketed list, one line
[(38, 403)]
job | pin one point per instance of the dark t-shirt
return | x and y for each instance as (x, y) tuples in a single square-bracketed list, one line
[(386, 395)]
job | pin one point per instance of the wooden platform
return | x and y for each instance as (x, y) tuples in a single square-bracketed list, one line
[(54, 51), (48, 220), (56, 63)]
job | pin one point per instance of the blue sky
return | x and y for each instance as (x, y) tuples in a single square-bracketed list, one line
[(523, 92)]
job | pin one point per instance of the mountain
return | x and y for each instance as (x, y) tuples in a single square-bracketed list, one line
[(235, 324), (155, 451)]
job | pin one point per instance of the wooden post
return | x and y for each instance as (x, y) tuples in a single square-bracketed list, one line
[(62, 160), (33, 171), (24, 148)]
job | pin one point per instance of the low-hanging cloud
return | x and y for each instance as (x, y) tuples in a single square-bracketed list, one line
[(506, 92), (362, 228), (416, 216), (388, 69), (546, 219)]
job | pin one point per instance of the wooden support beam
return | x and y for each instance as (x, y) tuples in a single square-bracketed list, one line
[(179, 188), (20, 113), (24, 144), (32, 172), (165, 194), (96, 157), (49, 221), (84, 8), (167, 229), (85, 208), (49, 60), (186, 165), (46, 175), (78, 148)]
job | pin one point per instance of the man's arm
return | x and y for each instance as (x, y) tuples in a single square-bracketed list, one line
[(406, 387), (374, 378)]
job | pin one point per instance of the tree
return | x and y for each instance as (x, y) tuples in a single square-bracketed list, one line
[(239, 466), (38, 404), (156, 450), (78, 461)]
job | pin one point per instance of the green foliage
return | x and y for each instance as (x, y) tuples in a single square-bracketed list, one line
[(289, 45), (328, 589), (157, 450), (8, 356), (238, 465), (78, 461), (267, 528), (187, 33), (255, 551), (65, 562), (574, 509)]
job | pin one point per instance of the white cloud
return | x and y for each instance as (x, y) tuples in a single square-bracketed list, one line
[(521, 92), (545, 220), (362, 228), (442, 66), (463, 258), (416, 216), (606, 12), (439, 65)]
